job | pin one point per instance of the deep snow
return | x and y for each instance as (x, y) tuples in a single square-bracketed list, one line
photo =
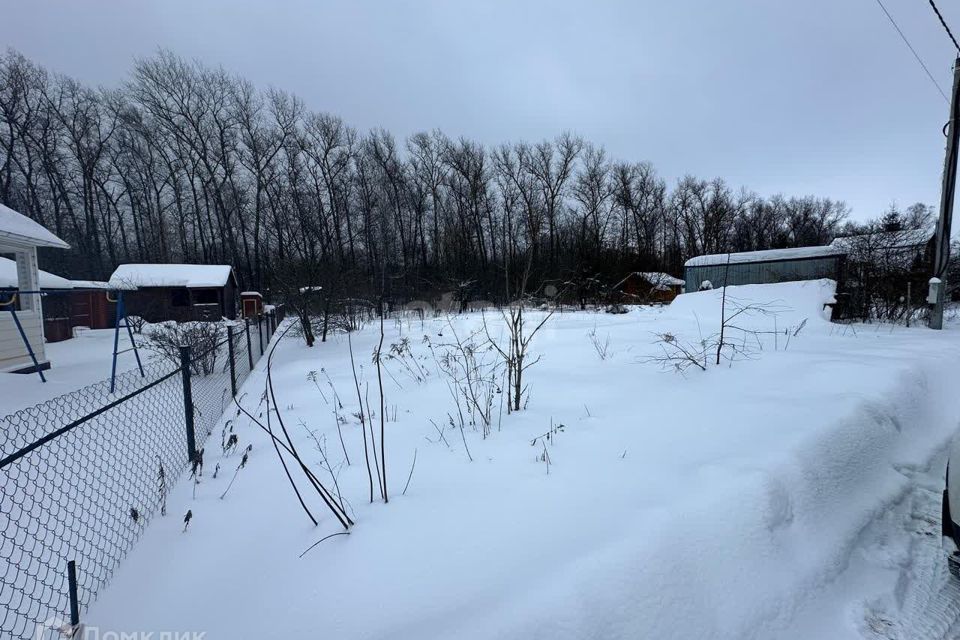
[(720, 504), (74, 363)]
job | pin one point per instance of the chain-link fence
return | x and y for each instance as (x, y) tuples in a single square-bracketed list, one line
[(82, 474)]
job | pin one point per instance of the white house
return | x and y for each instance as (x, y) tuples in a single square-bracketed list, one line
[(19, 238)]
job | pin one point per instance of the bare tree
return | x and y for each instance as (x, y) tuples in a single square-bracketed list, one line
[(189, 163)]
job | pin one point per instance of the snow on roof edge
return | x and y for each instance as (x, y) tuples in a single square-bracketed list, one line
[(10, 279), (659, 277), (90, 284), (743, 257), (191, 276), (904, 238), (22, 230)]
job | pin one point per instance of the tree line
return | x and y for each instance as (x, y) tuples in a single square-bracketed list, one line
[(187, 163)]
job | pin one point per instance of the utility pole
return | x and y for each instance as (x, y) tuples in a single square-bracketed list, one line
[(938, 284)]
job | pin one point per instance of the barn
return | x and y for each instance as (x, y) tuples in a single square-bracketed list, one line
[(760, 267), (648, 286), (22, 348), (180, 292)]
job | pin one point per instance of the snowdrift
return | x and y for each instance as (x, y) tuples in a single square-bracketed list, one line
[(789, 303), (760, 540)]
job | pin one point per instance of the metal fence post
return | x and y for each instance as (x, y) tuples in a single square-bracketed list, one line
[(188, 402), (72, 586), (260, 331), (246, 327), (233, 361)]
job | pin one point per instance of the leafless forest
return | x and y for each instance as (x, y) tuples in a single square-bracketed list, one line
[(181, 162)]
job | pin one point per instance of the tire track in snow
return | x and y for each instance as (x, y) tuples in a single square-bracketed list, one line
[(930, 596)]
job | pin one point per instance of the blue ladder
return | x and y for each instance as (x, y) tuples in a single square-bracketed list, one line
[(121, 315)]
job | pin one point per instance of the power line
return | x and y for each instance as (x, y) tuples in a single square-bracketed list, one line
[(944, 23), (914, 52)]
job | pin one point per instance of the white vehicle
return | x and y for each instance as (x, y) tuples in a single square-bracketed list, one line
[(951, 510)]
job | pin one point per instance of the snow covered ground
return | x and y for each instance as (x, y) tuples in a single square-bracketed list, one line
[(770, 497), (74, 363)]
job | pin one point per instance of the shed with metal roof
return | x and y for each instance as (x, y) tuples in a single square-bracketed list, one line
[(760, 267)]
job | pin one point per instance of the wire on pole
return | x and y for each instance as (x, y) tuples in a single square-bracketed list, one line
[(914, 52), (944, 23)]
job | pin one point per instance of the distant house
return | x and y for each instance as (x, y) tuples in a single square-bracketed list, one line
[(181, 292), (649, 286), (760, 267), (887, 273), (66, 303), (905, 249), (19, 239)]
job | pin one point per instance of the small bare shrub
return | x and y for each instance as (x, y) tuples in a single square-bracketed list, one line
[(679, 355), (205, 340), (602, 347), (137, 323), (471, 369), (515, 353)]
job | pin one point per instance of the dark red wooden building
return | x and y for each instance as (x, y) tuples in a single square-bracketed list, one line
[(180, 292)]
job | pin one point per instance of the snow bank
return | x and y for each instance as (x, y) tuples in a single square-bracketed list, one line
[(784, 304), (745, 555)]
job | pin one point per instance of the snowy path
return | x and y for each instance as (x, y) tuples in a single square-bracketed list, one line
[(897, 585), (930, 596)]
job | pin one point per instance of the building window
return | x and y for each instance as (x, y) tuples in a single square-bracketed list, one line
[(179, 298)]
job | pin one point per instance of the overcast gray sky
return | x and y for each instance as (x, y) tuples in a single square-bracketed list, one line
[(811, 96)]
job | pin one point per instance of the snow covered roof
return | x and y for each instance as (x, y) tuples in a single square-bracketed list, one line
[(8, 277), (661, 279), (192, 276), (768, 255), (658, 280), (21, 230), (904, 239), (90, 284)]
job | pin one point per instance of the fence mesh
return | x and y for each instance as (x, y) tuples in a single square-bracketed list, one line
[(29, 424), (82, 474)]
